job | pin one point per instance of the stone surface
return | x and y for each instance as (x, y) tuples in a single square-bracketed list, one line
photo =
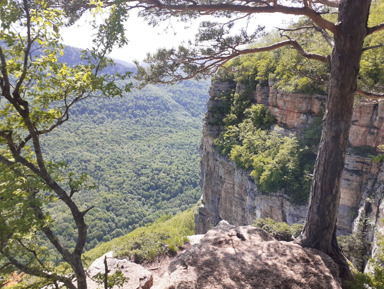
[(139, 277), (248, 257), (294, 110), (367, 124)]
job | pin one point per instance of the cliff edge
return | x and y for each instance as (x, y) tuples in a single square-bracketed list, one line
[(231, 194)]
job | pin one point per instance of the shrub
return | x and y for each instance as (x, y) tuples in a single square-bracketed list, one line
[(147, 243), (374, 279), (279, 230)]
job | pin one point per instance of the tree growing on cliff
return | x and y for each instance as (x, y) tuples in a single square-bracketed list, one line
[(37, 93), (215, 45)]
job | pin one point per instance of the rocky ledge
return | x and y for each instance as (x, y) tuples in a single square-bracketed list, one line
[(243, 257)]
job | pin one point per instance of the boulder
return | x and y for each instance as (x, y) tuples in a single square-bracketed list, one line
[(139, 277), (248, 257)]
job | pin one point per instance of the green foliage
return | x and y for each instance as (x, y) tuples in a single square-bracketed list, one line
[(275, 161), (372, 63), (143, 244), (260, 116), (256, 117), (355, 246), (291, 72), (284, 68), (380, 157), (312, 133), (141, 153), (37, 93), (374, 279), (116, 279), (279, 230)]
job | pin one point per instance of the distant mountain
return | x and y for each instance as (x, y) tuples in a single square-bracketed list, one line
[(72, 56)]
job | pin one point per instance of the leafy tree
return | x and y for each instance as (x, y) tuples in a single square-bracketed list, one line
[(37, 93), (275, 161), (347, 37)]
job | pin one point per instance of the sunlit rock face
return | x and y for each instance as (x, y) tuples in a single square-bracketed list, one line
[(249, 258), (230, 193), (367, 124)]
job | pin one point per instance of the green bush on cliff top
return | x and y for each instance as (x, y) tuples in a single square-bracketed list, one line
[(276, 161)]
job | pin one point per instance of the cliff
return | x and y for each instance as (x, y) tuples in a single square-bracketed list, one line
[(230, 193)]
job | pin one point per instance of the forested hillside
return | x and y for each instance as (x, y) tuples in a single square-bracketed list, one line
[(140, 152)]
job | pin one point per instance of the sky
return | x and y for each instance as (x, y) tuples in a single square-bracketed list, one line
[(144, 38)]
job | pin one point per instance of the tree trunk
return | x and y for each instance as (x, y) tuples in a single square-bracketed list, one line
[(320, 228), (78, 268)]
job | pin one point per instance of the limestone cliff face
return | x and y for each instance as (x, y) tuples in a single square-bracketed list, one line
[(230, 193)]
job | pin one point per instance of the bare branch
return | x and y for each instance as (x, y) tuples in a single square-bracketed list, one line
[(6, 161), (23, 143), (236, 8), (26, 51), (65, 116), (296, 28), (40, 273), (33, 252), (4, 82), (325, 35), (49, 233), (87, 210), (375, 29), (292, 43), (72, 192), (370, 95), (172, 66), (373, 47)]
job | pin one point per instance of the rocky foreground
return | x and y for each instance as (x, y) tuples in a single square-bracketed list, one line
[(233, 257)]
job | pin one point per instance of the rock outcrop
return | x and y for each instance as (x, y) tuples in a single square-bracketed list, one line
[(137, 276), (248, 257), (231, 194)]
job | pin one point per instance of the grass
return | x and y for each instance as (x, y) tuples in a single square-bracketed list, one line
[(143, 244)]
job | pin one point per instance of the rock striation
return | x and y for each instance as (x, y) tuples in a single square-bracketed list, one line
[(230, 193)]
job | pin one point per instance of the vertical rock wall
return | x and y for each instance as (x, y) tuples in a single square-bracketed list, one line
[(231, 194)]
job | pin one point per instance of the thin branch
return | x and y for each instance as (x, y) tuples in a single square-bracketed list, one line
[(87, 210), (294, 44), (370, 95), (5, 83), (65, 116), (224, 7), (373, 47), (48, 232), (209, 64), (72, 192), (5, 266), (374, 29), (295, 29), (26, 51), (6, 161), (40, 273), (23, 143), (317, 28), (325, 35), (33, 252)]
